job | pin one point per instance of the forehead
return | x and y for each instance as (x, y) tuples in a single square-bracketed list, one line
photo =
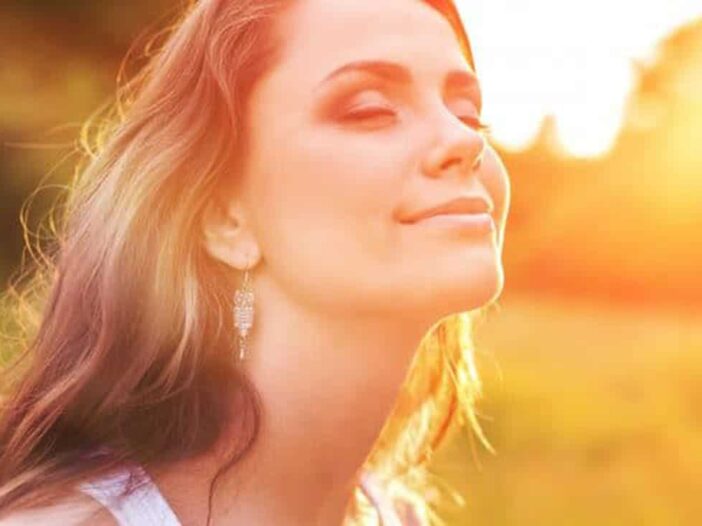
[(321, 35)]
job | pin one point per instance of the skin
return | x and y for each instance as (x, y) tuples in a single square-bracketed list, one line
[(344, 290)]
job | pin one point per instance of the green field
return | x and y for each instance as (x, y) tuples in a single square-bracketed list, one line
[(595, 413)]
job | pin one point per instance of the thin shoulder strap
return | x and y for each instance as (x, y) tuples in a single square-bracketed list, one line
[(144, 506), (388, 513)]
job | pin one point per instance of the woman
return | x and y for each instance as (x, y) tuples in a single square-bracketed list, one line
[(257, 313)]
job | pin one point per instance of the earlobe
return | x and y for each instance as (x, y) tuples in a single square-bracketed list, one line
[(226, 236)]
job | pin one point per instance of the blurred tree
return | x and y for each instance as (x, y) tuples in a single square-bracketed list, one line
[(59, 63), (625, 226)]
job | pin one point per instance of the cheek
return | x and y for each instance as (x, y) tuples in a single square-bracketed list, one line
[(325, 212)]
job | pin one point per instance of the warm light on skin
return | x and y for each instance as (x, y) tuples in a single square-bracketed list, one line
[(347, 137), (571, 60)]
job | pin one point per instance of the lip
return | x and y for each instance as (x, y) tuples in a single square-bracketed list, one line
[(458, 209), (477, 223)]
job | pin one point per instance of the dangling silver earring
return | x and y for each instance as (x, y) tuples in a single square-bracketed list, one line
[(244, 312)]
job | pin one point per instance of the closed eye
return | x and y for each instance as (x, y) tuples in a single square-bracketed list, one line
[(372, 112), (369, 112)]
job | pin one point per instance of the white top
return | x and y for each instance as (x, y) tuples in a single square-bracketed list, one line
[(146, 506)]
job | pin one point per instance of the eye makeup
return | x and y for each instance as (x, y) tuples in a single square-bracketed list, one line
[(358, 96), (356, 90)]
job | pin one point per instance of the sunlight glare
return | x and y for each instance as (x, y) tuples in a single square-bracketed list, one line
[(575, 61)]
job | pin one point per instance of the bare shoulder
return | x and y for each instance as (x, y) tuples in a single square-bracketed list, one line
[(78, 510)]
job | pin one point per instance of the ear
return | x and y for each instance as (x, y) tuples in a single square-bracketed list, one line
[(227, 236)]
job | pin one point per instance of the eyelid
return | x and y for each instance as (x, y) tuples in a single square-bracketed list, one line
[(368, 108), (364, 114), (355, 84), (360, 103), (380, 102), (369, 112), (372, 93), (479, 126), (467, 99), (378, 107)]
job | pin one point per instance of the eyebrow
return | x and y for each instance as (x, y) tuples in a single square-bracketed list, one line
[(395, 72)]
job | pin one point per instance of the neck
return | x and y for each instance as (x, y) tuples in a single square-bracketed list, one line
[(328, 384)]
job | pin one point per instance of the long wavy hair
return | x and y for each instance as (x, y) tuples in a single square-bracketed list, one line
[(126, 354)]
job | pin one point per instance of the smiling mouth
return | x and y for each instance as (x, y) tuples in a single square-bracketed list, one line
[(481, 222), (460, 206)]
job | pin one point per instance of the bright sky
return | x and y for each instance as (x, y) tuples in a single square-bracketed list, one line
[(569, 59)]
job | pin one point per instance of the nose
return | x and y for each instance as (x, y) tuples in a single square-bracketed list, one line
[(456, 146)]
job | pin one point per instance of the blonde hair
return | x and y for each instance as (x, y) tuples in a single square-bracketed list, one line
[(130, 357)]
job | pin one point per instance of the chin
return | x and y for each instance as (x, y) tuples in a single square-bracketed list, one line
[(473, 286), (436, 287)]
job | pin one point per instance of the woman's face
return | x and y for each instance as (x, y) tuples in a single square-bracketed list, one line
[(337, 160)]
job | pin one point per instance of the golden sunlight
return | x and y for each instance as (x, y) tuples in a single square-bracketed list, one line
[(574, 61)]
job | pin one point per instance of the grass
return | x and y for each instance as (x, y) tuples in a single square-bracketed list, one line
[(596, 415)]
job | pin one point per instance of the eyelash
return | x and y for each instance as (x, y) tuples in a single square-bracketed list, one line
[(474, 122), (479, 124)]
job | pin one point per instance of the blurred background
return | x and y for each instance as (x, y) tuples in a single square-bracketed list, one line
[(592, 358)]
